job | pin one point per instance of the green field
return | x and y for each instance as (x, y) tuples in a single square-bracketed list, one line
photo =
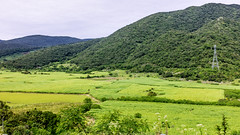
[(177, 114), (111, 87), (116, 85), (47, 82), (18, 99)]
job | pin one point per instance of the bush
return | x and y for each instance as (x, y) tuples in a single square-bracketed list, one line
[(103, 99), (138, 115), (235, 133), (95, 106), (116, 123), (152, 94), (87, 101), (167, 74)]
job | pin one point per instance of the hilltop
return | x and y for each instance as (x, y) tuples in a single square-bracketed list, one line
[(33, 42), (178, 43)]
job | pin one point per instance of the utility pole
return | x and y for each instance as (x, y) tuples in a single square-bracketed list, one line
[(215, 60)]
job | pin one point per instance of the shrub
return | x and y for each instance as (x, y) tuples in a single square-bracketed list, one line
[(87, 100), (95, 106), (152, 94), (167, 74), (103, 99), (235, 133), (138, 115)]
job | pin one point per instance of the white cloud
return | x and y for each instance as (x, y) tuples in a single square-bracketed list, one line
[(81, 18)]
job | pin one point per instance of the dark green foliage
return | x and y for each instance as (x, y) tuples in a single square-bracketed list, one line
[(235, 133), (152, 94), (168, 74), (116, 123), (232, 94), (5, 114), (222, 130), (103, 99), (87, 101), (181, 39), (29, 43), (52, 54), (95, 106), (138, 115), (183, 101), (72, 119), (33, 121)]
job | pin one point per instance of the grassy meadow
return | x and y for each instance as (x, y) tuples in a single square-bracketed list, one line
[(180, 116), (56, 82), (18, 99), (39, 90)]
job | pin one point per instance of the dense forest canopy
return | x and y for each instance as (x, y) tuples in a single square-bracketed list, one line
[(33, 42)]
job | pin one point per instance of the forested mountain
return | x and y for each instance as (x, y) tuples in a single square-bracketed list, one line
[(33, 42), (180, 42), (48, 55)]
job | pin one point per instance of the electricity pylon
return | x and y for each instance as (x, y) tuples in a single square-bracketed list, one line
[(215, 60)]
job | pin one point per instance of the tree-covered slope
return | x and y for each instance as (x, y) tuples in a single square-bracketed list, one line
[(181, 39), (33, 42), (48, 55), (162, 39)]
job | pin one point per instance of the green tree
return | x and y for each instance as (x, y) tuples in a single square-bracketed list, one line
[(72, 119), (116, 123), (5, 113)]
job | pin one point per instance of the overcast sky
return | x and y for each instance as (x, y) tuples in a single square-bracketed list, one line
[(81, 18)]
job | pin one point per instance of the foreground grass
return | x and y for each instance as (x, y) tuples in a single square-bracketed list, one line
[(121, 85), (180, 116)]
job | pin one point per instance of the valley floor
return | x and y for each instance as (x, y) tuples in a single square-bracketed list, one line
[(54, 90)]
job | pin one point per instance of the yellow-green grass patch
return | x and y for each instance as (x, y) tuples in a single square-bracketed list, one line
[(193, 94), (47, 82), (19, 99)]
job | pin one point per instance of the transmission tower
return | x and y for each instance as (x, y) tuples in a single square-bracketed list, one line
[(215, 60)]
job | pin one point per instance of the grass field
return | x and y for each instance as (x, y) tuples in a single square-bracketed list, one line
[(177, 114), (17, 99), (111, 87), (117, 85), (47, 82), (48, 102), (164, 88)]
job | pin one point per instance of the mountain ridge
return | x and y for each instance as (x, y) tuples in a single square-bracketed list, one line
[(33, 42), (179, 42)]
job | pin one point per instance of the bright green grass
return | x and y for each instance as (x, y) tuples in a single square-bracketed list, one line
[(55, 82), (164, 88), (177, 114), (112, 87), (18, 99)]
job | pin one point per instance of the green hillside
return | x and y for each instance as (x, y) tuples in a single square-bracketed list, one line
[(33, 42), (178, 43), (42, 57)]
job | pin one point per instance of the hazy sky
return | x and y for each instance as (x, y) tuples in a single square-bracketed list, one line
[(81, 18)]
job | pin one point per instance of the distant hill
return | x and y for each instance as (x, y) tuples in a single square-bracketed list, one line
[(48, 55), (33, 42), (178, 43)]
